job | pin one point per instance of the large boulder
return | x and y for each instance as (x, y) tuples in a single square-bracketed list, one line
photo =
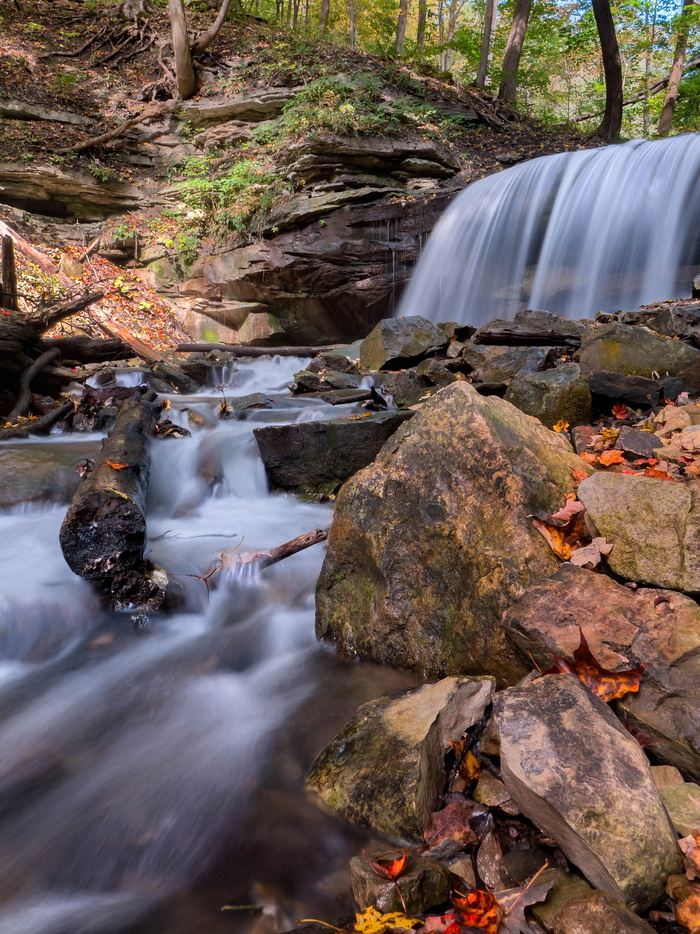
[(556, 395), (653, 525), (396, 343), (434, 541), (633, 351), (532, 327), (494, 364), (580, 777), (314, 454), (385, 769), (624, 628)]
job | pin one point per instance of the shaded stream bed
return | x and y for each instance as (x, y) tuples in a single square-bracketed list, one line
[(152, 767)]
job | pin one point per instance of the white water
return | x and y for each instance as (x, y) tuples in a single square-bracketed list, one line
[(153, 768), (574, 233)]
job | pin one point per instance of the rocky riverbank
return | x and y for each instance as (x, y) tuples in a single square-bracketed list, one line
[(526, 541)]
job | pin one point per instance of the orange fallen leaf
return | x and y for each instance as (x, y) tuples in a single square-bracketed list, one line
[(467, 763), (391, 869), (610, 457), (588, 457), (690, 847), (561, 425), (579, 476), (115, 465), (605, 684), (478, 909)]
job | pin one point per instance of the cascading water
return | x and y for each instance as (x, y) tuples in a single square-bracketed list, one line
[(152, 771), (574, 233)]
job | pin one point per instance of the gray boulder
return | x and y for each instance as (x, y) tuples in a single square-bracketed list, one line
[(432, 542), (580, 777), (653, 525), (494, 364), (553, 396), (315, 454), (633, 351), (624, 628), (399, 342), (384, 771)]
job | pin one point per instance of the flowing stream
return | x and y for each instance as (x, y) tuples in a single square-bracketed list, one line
[(151, 768), (574, 233)]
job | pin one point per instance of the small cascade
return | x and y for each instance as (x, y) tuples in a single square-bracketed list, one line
[(574, 233)]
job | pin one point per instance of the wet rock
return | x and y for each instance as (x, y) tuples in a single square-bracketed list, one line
[(405, 387), (495, 364), (315, 381), (633, 351), (565, 888), (175, 376), (435, 374), (384, 771), (345, 396), (398, 342), (633, 441), (432, 543), (29, 474), (532, 327), (312, 454), (635, 390), (338, 362), (653, 525), (583, 438), (624, 628), (424, 885), (255, 400), (553, 396), (695, 293), (579, 776), (678, 321), (683, 805), (598, 913)]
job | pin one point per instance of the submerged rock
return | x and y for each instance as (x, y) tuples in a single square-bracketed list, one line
[(624, 628), (580, 777), (432, 542), (653, 525), (314, 454), (384, 771)]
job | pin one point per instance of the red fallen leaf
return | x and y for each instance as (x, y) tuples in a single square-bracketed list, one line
[(610, 457), (605, 684), (391, 869), (620, 411), (452, 823)]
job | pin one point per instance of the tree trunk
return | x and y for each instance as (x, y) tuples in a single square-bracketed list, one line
[(486, 43), (420, 31), (184, 73), (8, 275), (204, 40), (612, 119), (511, 60), (103, 535), (401, 28), (325, 12), (351, 11), (674, 79)]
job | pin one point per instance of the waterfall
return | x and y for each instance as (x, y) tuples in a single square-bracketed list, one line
[(573, 233)]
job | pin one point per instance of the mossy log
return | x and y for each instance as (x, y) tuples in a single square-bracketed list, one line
[(103, 535)]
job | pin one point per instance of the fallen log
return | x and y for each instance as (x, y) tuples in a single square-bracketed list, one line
[(103, 535), (242, 351), (235, 561), (84, 349), (37, 426), (140, 349)]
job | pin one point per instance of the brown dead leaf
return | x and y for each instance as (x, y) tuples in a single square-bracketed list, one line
[(515, 901), (566, 531), (452, 823), (589, 556), (605, 684)]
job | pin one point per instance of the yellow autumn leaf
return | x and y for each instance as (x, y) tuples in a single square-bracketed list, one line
[(110, 489), (371, 921), (561, 425)]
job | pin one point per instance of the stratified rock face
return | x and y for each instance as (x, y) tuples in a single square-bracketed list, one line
[(330, 279), (312, 454), (579, 776), (432, 542), (653, 525), (396, 343), (621, 348), (556, 395), (624, 628), (384, 771)]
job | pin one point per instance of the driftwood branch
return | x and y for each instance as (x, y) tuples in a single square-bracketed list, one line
[(47, 317), (25, 395), (37, 426), (242, 351), (235, 561)]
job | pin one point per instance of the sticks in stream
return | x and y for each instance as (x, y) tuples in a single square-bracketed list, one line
[(259, 560)]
